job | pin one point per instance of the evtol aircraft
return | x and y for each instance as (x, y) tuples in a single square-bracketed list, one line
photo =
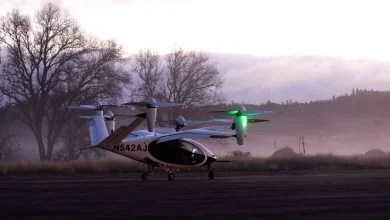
[(177, 149)]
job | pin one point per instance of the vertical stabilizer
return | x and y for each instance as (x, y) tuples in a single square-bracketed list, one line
[(97, 129)]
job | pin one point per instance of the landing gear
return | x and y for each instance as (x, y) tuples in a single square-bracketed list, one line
[(144, 176), (151, 168), (211, 172), (171, 175), (211, 175)]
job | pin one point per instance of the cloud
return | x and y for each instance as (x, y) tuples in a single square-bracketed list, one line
[(301, 78)]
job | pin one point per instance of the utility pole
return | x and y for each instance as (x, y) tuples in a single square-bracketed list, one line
[(274, 146), (299, 145)]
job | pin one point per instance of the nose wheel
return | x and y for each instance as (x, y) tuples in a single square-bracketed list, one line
[(211, 172), (144, 176), (211, 175), (171, 175)]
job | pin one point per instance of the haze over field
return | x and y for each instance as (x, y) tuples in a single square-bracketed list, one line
[(300, 51), (277, 50)]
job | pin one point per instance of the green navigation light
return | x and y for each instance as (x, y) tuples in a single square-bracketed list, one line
[(242, 121)]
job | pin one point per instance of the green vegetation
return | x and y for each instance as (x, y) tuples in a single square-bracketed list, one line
[(317, 163)]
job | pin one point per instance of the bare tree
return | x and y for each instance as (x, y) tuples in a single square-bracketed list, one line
[(191, 77), (188, 77), (49, 64), (148, 68)]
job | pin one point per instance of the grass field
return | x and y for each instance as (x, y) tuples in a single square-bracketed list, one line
[(255, 164)]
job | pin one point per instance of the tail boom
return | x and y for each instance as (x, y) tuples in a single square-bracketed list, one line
[(122, 132)]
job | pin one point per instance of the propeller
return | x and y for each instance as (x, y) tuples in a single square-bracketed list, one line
[(241, 120), (109, 116), (96, 106), (241, 111), (152, 106), (181, 122), (153, 103)]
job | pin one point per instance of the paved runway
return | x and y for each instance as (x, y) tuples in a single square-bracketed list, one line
[(360, 195)]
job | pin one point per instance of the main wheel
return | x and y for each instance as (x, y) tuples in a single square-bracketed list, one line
[(171, 176), (211, 175), (144, 176)]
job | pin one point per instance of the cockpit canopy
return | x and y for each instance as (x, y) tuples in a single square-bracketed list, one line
[(178, 152)]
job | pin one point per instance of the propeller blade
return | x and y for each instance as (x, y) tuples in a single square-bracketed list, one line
[(111, 105), (228, 112), (85, 117), (82, 107), (253, 113), (153, 103), (140, 104), (254, 120), (220, 111), (232, 112)]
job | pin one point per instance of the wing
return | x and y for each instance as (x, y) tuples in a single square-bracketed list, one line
[(217, 128), (194, 122), (195, 134), (224, 120)]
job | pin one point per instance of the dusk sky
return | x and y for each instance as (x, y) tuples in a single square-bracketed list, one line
[(302, 49)]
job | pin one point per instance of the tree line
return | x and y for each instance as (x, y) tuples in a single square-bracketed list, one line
[(48, 63)]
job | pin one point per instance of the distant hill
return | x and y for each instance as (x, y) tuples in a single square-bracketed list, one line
[(362, 111)]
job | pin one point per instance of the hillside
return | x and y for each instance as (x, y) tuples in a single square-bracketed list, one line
[(363, 112)]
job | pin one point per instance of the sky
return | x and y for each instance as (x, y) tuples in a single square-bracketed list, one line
[(347, 32)]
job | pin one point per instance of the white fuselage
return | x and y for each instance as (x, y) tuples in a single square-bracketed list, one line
[(175, 154)]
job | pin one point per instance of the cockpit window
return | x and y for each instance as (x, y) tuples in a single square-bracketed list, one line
[(177, 152), (190, 147)]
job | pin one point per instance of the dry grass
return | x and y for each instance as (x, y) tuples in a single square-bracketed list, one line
[(307, 163), (299, 163), (73, 167)]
